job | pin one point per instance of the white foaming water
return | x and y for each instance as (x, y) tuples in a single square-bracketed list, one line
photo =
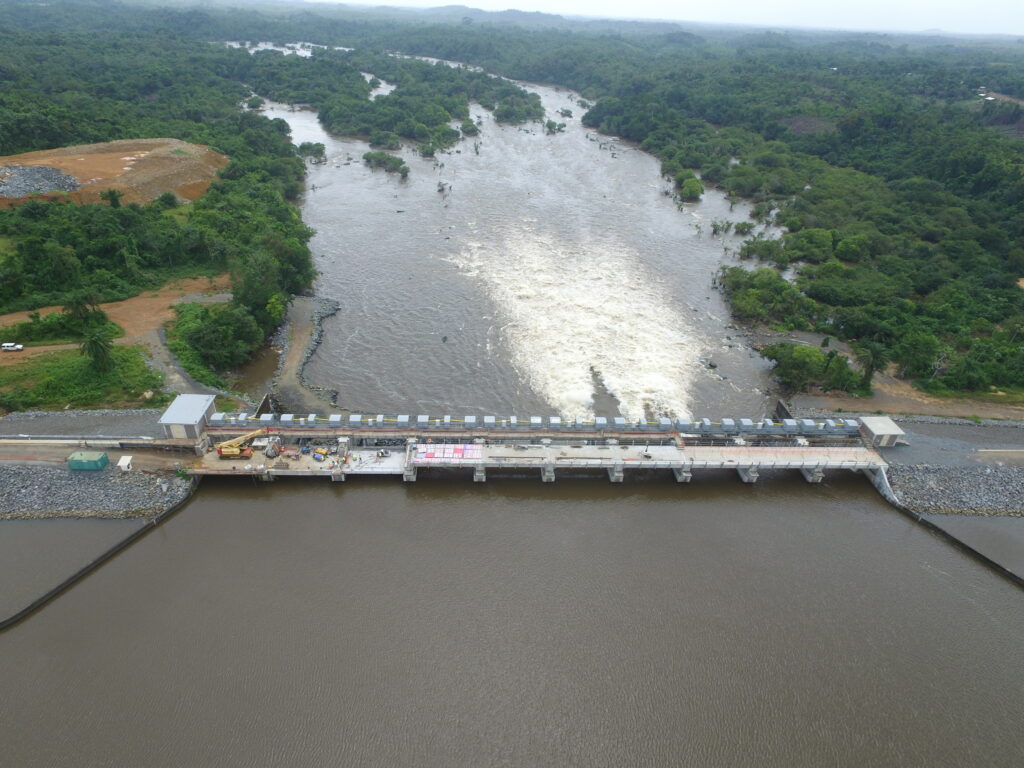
[(569, 311)]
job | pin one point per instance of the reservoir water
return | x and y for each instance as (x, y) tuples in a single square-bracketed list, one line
[(447, 623)]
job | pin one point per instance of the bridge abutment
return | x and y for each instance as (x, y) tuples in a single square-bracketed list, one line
[(682, 474), (813, 474)]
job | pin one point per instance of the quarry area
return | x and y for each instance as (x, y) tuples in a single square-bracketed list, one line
[(140, 169)]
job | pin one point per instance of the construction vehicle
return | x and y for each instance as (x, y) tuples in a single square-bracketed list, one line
[(239, 447)]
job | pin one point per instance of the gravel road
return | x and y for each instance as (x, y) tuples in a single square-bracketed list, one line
[(98, 423)]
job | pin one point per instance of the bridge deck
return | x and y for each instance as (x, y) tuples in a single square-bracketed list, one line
[(547, 459)]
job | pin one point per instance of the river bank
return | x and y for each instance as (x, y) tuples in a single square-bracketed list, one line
[(35, 492), (297, 340), (40, 561), (951, 466)]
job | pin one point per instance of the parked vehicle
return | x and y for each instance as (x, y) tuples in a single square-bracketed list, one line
[(10, 346)]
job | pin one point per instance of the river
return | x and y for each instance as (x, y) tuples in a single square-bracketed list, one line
[(519, 623), (522, 273)]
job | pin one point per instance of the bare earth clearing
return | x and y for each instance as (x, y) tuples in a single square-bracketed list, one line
[(896, 396), (142, 169), (141, 317)]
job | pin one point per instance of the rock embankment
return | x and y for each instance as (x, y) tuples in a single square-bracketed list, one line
[(31, 492), (298, 339), (977, 490), (23, 180)]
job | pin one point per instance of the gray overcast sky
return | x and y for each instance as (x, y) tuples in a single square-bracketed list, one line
[(978, 16)]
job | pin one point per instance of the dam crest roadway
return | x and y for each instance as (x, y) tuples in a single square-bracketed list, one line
[(333, 446)]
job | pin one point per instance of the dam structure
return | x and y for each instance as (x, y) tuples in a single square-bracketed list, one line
[(339, 446)]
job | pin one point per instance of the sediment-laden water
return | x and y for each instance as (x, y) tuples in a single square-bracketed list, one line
[(510, 274), (513, 622)]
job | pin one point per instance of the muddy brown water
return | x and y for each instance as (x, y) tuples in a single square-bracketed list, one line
[(522, 273), (447, 623), (515, 623)]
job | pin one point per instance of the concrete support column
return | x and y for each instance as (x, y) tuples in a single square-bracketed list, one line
[(682, 474), (547, 473), (615, 473), (748, 474), (480, 474), (813, 475), (337, 477), (409, 473), (266, 477)]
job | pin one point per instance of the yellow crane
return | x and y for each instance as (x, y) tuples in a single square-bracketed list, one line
[(239, 448)]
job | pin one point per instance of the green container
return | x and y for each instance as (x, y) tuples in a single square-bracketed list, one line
[(87, 460)]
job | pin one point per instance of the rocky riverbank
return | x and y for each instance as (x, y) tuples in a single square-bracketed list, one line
[(980, 490), (31, 492), (298, 339), (953, 466)]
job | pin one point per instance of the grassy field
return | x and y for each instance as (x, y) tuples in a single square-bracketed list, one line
[(66, 379)]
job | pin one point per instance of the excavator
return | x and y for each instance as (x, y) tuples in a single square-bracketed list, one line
[(239, 447)]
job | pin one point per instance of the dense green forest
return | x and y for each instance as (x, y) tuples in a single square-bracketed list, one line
[(75, 73), (899, 190)]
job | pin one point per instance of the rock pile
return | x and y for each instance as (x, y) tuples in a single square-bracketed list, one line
[(21, 180), (38, 492), (985, 490)]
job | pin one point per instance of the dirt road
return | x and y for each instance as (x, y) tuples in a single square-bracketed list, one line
[(891, 394), (141, 317)]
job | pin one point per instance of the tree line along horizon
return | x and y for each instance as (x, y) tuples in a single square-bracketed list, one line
[(899, 191)]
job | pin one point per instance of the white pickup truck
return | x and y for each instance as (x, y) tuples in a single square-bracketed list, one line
[(10, 346)]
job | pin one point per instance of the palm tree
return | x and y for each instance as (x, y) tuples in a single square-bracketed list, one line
[(872, 356), (112, 196), (97, 347)]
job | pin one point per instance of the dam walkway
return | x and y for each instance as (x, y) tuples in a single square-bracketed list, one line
[(379, 446)]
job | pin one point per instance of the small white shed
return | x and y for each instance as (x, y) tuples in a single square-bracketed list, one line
[(882, 431), (125, 464), (187, 416)]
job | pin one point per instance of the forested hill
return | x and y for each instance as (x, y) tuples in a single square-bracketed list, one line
[(900, 188), (80, 72)]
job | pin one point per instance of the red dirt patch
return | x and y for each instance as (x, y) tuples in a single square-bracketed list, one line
[(138, 316), (142, 169)]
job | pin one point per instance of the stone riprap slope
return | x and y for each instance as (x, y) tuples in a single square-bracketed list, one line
[(978, 490), (46, 492)]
